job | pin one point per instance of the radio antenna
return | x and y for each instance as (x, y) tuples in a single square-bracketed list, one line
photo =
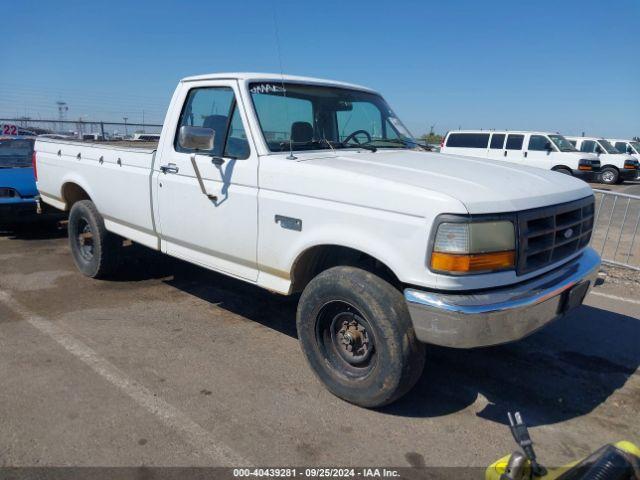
[(284, 90)]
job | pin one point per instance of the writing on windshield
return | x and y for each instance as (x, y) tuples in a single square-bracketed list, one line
[(313, 117)]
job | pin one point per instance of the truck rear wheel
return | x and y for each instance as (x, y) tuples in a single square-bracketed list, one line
[(356, 333), (95, 251)]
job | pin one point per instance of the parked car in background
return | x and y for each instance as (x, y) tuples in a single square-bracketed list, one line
[(311, 186), (631, 147), (549, 151), (18, 192), (616, 166), (92, 136)]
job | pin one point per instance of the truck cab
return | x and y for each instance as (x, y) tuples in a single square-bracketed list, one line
[(616, 166)]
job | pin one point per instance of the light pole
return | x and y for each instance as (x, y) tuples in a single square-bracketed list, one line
[(125, 126), (63, 108)]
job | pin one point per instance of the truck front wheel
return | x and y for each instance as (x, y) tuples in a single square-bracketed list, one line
[(356, 333), (95, 251)]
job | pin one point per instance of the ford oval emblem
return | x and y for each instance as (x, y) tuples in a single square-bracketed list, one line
[(568, 233)]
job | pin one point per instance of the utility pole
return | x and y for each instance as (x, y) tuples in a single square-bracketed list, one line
[(125, 125), (143, 121)]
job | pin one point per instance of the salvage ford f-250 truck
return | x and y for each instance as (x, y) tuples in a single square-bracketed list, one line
[(309, 186)]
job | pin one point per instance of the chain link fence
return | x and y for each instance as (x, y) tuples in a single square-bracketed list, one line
[(81, 129)]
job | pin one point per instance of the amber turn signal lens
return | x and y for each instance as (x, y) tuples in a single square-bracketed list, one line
[(584, 167), (462, 263)]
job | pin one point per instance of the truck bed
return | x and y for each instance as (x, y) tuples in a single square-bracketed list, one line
[(115, 175)]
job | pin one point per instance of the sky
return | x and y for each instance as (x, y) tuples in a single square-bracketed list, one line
[(567, 66)]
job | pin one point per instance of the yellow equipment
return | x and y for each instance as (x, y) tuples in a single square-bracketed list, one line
[(618, 461)]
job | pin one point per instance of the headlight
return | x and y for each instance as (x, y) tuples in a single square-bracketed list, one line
[(474, 247)]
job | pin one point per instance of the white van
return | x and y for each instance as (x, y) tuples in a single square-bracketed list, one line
[(535, 149), (617, 166), (631, 147)]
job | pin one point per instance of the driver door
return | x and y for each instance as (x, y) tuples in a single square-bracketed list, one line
[(539, 152), (216, 228)]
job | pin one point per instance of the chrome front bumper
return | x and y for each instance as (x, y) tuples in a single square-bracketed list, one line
[(501, 315)]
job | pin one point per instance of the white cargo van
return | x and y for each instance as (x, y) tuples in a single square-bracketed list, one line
[(631, 147), (535, 149), (616, 165)]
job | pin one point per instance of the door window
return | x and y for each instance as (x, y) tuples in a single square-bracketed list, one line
[(621, 147), (237, 144), (538, 143), (588, 146), (514, 142), (497, 140), (215, 108)]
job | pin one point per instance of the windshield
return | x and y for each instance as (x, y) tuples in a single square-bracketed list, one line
[(608, 147), (311, 117), (636, 146), (562, 143), (15, 153)]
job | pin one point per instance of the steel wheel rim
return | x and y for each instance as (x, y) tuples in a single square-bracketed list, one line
[(84, 239), (346, 339), (608, 176)]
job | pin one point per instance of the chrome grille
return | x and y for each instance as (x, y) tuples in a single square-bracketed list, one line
[(549, 234), (8, 192)]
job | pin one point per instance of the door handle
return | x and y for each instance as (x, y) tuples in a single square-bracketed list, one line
[(171, 168), (525, 154), (505, 153)]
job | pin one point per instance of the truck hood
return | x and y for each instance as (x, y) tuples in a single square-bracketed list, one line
[(481, 185), (20, 179)]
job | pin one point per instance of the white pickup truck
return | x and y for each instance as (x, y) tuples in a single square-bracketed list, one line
[(301, 185)]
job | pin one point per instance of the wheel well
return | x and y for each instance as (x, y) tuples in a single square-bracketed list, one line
[(561, 167), (317, 259), (609, 166), (72, 193)]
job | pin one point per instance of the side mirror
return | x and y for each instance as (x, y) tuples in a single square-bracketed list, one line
[(630, 150), (548, 147), (196, 138)]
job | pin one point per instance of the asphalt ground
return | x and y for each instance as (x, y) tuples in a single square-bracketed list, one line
[(173, 365)]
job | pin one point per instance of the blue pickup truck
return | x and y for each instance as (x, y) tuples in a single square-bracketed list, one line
[(18, 192)]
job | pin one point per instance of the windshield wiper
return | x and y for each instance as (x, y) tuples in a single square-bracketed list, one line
[(371, 148), (398, 141), (330, 143)]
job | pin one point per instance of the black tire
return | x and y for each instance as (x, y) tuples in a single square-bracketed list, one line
[(609, 175), (386, 358), (563, 170), (96, 255)]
